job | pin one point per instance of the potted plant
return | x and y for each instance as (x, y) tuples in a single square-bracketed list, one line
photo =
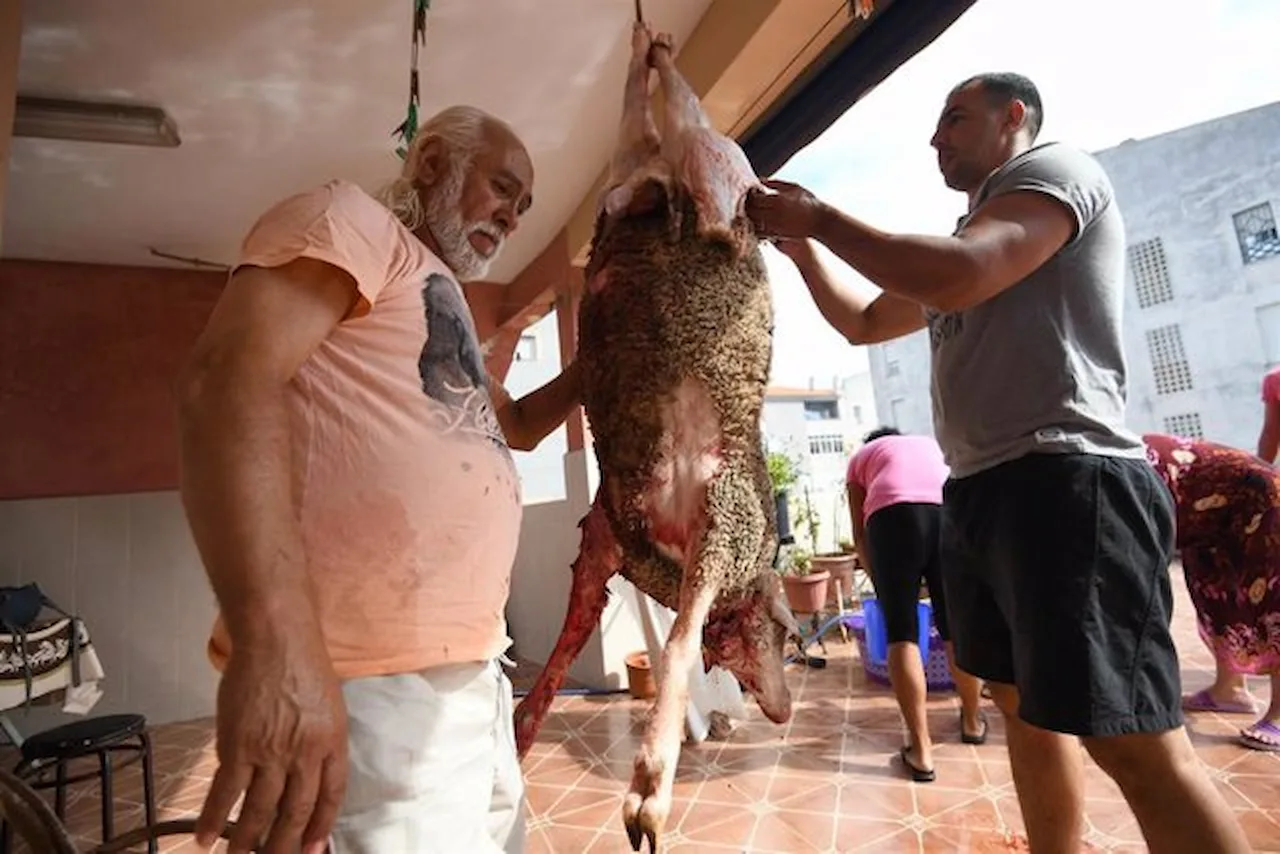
[(805, 584), (838, 564)]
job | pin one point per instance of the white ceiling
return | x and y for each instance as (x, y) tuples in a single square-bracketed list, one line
[(271, 98)]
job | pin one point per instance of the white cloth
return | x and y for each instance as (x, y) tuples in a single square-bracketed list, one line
[(433, 765), (48, 657), (714, 690)]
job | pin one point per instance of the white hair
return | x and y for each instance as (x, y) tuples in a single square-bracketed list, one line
[(462, 130)]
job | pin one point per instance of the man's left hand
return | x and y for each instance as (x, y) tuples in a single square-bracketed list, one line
[(790, 211)]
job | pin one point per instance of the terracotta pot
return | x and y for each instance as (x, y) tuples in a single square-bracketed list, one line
[(640, 680), (841, 568), (806, 594)]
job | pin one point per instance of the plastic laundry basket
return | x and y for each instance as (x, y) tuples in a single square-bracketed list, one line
[(868, 630), (878, 634)]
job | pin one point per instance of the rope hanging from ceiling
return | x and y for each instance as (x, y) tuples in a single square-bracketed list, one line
[(406, 129)]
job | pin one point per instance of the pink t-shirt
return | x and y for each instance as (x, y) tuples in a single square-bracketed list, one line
[(405, 489), (898, 470), (1271, 386)]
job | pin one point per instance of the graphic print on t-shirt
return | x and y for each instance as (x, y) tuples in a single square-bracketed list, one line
[(451, 365)]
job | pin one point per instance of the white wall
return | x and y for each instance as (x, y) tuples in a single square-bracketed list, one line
[(127, 565), (543, 577), (900, 371)]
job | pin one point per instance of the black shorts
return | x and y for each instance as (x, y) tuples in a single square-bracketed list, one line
[(904, 542), (1057, 574)]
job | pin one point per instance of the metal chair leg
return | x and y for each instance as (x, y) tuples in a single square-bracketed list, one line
[(108, 794), (60, 791), (148, 789)]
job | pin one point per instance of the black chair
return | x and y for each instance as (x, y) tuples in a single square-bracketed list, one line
[(53, 750)]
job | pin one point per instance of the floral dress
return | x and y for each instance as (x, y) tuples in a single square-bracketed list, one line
[(1228, 530)]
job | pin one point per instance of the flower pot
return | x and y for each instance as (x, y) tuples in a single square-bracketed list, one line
[(806, 594), (841, 567), (640, 680)]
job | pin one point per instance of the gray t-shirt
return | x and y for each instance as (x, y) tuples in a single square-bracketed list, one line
[(1040, 367)]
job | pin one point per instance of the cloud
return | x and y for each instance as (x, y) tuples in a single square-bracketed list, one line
[(1108, 71)]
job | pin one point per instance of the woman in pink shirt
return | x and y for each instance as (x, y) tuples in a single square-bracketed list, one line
[(895, 499)]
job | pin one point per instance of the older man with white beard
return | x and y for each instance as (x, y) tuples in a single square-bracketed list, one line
[(348, 483)]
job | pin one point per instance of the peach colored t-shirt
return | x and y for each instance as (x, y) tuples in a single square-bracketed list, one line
[(405, 490)]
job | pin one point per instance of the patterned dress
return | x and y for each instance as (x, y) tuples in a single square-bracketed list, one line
[(1228, 530)]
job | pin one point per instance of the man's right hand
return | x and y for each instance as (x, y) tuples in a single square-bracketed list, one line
[(282, 742)]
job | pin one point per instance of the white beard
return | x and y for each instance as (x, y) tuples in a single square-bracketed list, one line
[(443, 217)]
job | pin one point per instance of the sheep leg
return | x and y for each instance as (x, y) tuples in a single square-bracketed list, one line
[(599, 558), (711, 167), (648, 803), (635, 164)]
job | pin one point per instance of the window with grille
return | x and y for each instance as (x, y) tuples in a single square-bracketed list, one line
[(1150, 270), (1168, 359), (819, 445), (1256, 231), (1186, 425)]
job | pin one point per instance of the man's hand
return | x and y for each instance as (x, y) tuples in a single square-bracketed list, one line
[(790, 211), (799, 251), (282, 741)]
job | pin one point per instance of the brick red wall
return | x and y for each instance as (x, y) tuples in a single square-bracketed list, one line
[(88, 356)]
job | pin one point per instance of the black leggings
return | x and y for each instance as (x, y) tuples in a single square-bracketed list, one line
[(905, 542)]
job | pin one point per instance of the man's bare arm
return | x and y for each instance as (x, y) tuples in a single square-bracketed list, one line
[(1269, 439), (235, 439), (529, 420), (1005, 241), (860, 316), (282, 733)]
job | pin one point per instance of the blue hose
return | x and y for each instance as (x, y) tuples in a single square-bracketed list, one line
[(579, 692)]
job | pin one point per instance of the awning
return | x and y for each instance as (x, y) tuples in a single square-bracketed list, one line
[(854, 68)]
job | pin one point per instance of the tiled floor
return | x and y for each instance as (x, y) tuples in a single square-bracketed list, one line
[(825, 782)]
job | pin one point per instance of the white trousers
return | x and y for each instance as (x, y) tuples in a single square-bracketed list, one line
[(433, 765)]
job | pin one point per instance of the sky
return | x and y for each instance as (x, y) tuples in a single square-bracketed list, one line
[(1107, 70)]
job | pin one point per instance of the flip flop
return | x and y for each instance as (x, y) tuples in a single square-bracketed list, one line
[(918, 774), (1202, 701), (1264, 735), (980, 738)]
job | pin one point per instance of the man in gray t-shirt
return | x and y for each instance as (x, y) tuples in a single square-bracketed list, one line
[(1057, 532)]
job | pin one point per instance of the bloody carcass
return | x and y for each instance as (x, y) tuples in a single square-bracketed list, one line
[(675, 345)]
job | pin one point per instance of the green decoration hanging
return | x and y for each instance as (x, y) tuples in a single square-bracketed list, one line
[(408, 128)]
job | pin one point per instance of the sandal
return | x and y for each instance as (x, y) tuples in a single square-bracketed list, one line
[(1202, 701), (981, 737), (918, 774), (1264, 735)]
